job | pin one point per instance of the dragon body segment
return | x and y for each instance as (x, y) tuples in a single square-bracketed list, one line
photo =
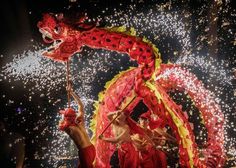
[(149, 82), (135, 47)]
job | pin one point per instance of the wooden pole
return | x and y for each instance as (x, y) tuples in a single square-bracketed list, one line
[(117, 116), (68, 81)]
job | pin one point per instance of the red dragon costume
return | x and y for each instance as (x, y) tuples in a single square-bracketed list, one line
[(150, 82)]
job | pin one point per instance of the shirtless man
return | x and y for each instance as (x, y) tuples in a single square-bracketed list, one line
[(158, 135), (150, 155), (80, 136), (127, 154)]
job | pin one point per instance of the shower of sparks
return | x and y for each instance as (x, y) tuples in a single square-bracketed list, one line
[(31, 66), (92, 68), (208, 102), (215, 69), (156, 26)]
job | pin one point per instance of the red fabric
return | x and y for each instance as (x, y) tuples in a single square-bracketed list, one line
[(111, 102), (160, 159), (134, 128), (145, 56), (152, 158), (153, 124), (69, 118), (146, 115), (87, 156), (128, 156), (148, 158)]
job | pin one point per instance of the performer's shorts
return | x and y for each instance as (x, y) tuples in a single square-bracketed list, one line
[(128, 156), (87, 156)]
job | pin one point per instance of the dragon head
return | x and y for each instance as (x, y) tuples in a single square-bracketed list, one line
[(60, 35)]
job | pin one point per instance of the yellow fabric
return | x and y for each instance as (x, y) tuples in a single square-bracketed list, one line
[(122, 29), (95, 118), (182, 130)]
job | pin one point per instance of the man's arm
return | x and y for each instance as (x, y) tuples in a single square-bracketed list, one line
[(80, 104), (77, 99), (111, 115), (114, 139), (167, 136)]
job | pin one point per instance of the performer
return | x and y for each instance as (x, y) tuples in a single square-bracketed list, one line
[(153, 130), (127, 154), (147, 154), (150, 156), (80, 137)]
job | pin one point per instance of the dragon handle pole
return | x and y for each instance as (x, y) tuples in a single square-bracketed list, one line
[(117, 116), (68, 80)]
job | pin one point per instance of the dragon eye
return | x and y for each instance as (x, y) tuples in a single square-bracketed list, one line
[(57, 29)]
